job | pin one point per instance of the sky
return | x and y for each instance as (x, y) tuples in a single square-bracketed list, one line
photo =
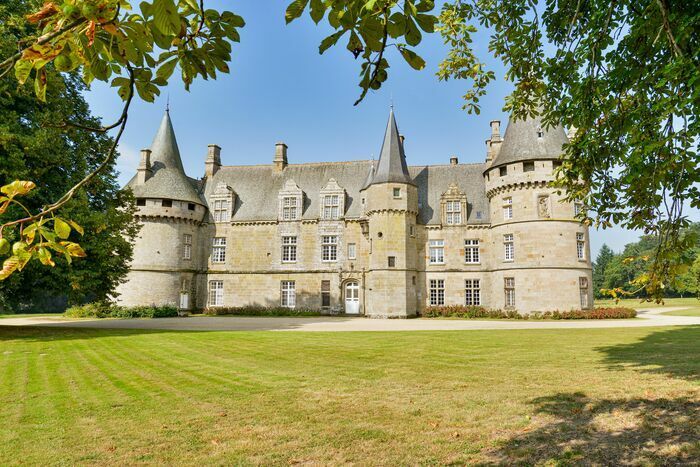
[(281, 89)]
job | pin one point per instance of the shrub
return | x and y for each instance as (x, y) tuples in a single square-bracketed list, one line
[(475, 312), (106, 310), (259, 310)]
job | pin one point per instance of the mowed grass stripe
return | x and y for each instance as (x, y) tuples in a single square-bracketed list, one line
[(329, 398)]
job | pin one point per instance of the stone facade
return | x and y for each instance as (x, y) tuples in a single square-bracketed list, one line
[(382, 241)]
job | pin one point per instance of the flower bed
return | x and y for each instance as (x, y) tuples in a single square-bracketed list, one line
[(477, 312), (260, 311)]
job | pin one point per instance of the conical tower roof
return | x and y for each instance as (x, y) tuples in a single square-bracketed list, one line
[(392, 160), (169, 180), (528, 139)]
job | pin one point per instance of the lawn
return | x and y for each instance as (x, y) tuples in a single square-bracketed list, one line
[(31, 315), (692, 304), (606, 396)]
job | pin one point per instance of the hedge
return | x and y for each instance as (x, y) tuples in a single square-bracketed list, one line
[(106, 310), (254, 310), (476, 312)]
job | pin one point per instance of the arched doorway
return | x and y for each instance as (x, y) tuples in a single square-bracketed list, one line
[(352, 298)]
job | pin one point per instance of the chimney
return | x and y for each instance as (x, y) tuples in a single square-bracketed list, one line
[(213, 162), (493, 144), (280, 160), (454, 160), (144, 172)]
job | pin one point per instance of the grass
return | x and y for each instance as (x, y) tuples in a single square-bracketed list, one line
[(31, 315), (605, 396), (637, 303)]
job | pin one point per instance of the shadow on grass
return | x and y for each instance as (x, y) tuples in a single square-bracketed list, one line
[(674, 352), (575, 429), (53, 334)]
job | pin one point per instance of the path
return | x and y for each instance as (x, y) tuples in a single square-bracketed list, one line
[(652, 317)]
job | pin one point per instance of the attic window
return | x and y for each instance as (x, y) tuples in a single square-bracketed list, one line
[(190, 206), (397, 192), (140, 201), (167, 203), (540, 133), (528, 166), (503, 171)]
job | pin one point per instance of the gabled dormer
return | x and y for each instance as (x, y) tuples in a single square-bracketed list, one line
[(332, 201), (222, 202), (453, 206), (291, 202)]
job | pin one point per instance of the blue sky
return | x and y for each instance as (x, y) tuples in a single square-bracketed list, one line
[(281, 89)]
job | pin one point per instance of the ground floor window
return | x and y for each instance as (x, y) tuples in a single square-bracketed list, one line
[(325, 294), (437, 292), (216, 293), (472, 292), (509, 287), (583, 289), (289, 294)]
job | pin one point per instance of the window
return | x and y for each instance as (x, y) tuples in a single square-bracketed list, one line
[(289, 208), (528, 166), (218, 253), (216, 293), (578, 208), (221, 210), (190, 206), (289, 249), (580, 246), (289, 294), (187, 246), (509, 288), (471, 251), (392, 261), (167, 203), (478, 214), (436, 249), (140, 201), (352, 251), (331, 206), (507, 208), (397, 192), (453, 212), (472, 292), (325, 294), (411, 230), (508, 248), (329, 248), (540, 133), (503, 171), (583, 289), (437, 292)]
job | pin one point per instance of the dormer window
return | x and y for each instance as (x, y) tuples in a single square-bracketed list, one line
[(289, 208), (540, 133), (503, 171), (331, 207), (167, 203), (222, 202), (453, 204), (454, 213)]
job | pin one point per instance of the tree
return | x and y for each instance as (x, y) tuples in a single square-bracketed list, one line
[(56, 159), (605, 256)]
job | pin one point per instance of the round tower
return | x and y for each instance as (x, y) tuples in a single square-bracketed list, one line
[(391, 209), (541, 252), (170, 211)]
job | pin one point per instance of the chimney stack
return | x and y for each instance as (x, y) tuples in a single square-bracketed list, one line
[(280, 160), (493, 144), (213, 162), (454, 160), (144, 172)]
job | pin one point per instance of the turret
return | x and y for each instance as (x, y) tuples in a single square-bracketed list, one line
[(391, 209)]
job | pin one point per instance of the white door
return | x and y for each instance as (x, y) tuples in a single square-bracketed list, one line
[(184, 301), (352, 298)]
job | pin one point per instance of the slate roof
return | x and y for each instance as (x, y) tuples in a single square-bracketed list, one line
[(257, 188), (521, 143), (168, 180), (392, 160)]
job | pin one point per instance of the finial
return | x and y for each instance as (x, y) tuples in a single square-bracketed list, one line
[(391, 101), (167, 104)]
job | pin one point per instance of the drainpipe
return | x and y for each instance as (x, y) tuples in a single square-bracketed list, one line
[(364, 294)]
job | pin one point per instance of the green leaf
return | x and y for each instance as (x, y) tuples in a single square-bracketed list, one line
[(426, 22), (413, 59), (44, 256), (22, 70), (413, 35), (166, 17), (73, 249), (166, 69), (61, 228), (294, 10), (40, 84), (4, 246), (330, 41), (18, 187), (318, 9), (9, 266)]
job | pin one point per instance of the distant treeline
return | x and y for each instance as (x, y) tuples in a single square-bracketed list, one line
[(613, 270)]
